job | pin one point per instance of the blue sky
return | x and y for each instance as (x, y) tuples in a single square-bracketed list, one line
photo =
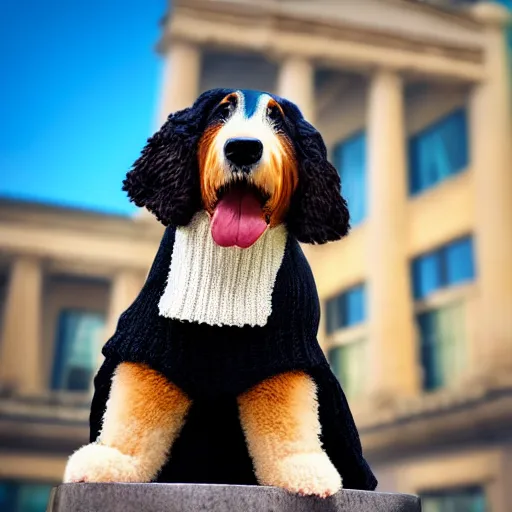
[(79, 90)]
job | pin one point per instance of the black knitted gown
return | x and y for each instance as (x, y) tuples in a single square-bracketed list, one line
[(214, 364)]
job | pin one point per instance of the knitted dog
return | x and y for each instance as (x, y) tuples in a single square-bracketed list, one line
[(214, 374)]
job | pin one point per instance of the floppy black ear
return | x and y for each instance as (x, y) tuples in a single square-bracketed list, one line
[(318, 213), (165, 178)]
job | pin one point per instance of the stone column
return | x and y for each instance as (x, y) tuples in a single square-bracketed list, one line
[(126, 285), (296, 83), (491, 143), (182, 72), (20, 350), (393, 364)]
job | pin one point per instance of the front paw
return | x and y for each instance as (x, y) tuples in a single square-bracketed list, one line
[(100, 463), (305, 474)]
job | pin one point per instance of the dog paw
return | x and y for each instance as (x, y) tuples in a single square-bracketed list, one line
[(308, 474), (99, 463)]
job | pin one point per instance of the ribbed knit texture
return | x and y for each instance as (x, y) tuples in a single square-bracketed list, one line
[(213, 365), (221, 285)]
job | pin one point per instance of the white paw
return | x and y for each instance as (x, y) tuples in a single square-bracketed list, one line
[(99, 463), (306, 474)]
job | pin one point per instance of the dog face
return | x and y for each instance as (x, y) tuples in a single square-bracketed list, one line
[(250, 160), (247, 165)]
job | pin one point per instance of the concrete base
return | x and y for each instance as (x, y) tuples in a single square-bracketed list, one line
[(216, 498)]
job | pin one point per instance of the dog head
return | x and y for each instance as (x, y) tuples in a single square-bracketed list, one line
[(250, 160)]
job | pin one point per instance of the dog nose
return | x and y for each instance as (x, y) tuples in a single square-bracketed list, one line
[(243, 150)]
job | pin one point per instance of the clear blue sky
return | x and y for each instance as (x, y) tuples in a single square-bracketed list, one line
[(79, 86)]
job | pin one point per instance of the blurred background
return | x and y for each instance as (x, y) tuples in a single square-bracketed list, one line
[(413, 99)]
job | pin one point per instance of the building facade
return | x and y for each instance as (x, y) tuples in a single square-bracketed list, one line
[(413, 101), (65, 277)]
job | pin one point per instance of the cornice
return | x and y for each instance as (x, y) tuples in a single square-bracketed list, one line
[(441, 418), (269, 19), (33, 214), (461, 17)]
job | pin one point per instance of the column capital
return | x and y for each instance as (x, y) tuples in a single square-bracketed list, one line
[(168, 40), (388, 77), (280, 56), (387, 69), (26, 259)]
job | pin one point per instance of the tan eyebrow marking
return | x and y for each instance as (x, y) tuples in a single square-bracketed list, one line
[(229, 98)]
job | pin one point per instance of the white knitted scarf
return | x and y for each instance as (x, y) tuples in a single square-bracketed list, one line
[(221, 285)]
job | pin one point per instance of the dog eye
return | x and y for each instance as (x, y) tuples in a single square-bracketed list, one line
[(224, 110), (274, 113)]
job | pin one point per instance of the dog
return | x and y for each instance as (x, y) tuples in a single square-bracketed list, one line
[(214, 374)]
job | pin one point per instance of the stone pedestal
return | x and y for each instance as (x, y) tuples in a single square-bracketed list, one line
[(216, 498)]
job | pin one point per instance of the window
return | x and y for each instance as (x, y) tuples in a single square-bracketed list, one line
[(346, 310), (442, 342), (348, 364), (78, 345), (463, 500), (442, 330), (23, 497), (348, 359), (446, 266), (350, 160), (438, 152)]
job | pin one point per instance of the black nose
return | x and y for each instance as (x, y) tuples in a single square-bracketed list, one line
[(243, 150)]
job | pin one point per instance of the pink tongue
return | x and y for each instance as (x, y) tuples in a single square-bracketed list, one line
[(237, 220)]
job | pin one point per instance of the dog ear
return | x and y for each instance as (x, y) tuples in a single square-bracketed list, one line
[(165, 178), (318, 213)]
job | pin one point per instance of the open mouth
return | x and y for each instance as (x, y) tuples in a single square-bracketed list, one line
[(239, 218)]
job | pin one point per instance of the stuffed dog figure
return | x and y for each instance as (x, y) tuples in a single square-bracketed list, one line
[(214, 374)]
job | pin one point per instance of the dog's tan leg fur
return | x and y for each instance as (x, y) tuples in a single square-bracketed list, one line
[(280, 420), (144, 415)]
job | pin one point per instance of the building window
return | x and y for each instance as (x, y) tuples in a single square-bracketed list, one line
[(346, 310), (446, 266), (463, 500), (77, 350), (348, 364), (350, 160), (347, 355), (442, 329), (442, 341), (23, 497), (438, 152)]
